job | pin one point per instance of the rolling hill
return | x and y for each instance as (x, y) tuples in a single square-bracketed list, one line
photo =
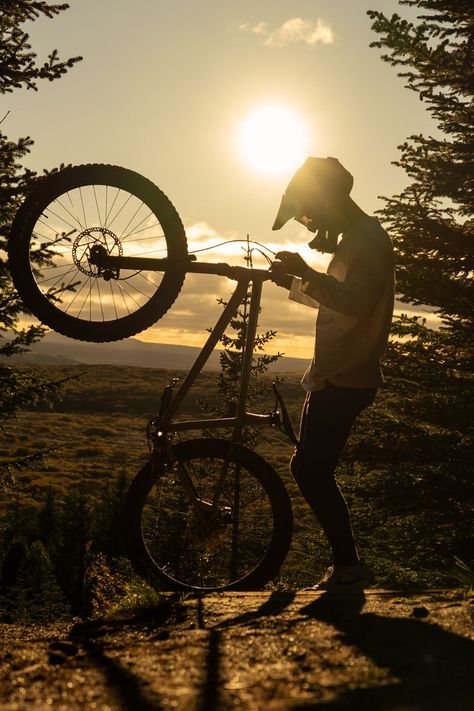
[(55, 349)]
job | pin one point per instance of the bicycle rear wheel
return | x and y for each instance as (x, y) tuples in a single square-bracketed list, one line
[(245, 539), (69, 213)]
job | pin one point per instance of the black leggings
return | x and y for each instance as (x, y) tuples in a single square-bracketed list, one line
[(326, 422)]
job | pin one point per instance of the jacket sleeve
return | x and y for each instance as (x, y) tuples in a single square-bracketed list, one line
[(357, 294)]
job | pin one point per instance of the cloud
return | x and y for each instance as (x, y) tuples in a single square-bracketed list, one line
[(200, 231), (294, 30), (197, 307)]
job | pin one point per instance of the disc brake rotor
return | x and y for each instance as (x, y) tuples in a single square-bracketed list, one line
[(89, 238)]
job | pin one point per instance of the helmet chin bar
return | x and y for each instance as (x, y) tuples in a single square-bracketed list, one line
[(324, 241)]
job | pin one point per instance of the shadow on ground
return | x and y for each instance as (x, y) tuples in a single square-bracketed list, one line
[(127, 687), (433, 667)]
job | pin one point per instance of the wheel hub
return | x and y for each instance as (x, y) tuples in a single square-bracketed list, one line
[(210, 521), (84, 244)]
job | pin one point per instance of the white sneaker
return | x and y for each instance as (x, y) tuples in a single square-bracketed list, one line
[(345, 578)]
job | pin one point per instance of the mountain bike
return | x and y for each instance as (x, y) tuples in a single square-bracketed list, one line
[(203, 514)]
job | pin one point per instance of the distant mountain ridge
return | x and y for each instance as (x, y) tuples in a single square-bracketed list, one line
[(55, 349)]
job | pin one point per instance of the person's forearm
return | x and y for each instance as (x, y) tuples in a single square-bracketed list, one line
[(286, 281), (355, 297)]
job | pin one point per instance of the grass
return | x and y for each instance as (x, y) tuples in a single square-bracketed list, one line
[(405, 471)]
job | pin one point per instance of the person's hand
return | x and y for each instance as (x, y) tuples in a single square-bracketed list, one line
[(290, 263), (279, 276)]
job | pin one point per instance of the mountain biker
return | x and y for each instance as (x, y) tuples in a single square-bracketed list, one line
[(355, 305)]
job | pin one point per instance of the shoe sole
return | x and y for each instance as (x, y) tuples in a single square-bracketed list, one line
[(352, 586)]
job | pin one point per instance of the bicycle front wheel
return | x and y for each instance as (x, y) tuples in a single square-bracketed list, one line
[(188, 543), (71, 212)]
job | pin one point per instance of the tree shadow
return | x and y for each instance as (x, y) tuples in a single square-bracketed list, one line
[(209, 698), (127, 687), (433, 667)]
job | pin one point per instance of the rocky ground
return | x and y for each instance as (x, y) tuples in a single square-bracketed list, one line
[(381, 651)]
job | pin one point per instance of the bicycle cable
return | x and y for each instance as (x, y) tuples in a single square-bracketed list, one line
[(229, 241), (214, 246)]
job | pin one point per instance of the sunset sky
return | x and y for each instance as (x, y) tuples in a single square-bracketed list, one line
[(191, 94)]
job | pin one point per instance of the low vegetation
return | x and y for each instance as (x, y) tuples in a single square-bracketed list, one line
[(405, 472)]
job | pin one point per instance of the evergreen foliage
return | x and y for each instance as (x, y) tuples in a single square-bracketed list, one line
[(19, 68), (432, 228), (65, 557), (36, 596), (431, 221)]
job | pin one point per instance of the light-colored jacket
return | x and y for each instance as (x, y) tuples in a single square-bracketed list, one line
[(355, 305)]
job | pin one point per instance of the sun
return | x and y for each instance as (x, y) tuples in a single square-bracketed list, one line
[(273, 139)]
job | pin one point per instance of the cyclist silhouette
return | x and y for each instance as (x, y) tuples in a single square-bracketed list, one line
[(355, 305)]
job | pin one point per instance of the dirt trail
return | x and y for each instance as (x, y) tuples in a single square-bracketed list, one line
[(384, 651)]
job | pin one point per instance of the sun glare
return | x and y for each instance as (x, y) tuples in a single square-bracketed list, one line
[(273, 140)]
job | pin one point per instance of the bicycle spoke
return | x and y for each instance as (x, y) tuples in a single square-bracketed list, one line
[(106, 211), (107, 214), (136, 289), (74, 217), (55, 266), (122, 236), (97, 206), (102, 211), (113, 298), (62, 219), (148, 237), (100, 299), (50, 227), (128, 293), (150, 281), (122, 293), (120, 211), (225, 542), (61, 276), (75, 297), (83, 208)]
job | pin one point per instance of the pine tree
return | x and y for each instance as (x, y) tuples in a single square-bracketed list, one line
[(107, 516), (36, 596), (13, 560), (74, 549), (19, 69), (48, 521), (430, 221)]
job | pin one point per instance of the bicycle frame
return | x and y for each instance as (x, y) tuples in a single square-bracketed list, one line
[(244, 277)]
